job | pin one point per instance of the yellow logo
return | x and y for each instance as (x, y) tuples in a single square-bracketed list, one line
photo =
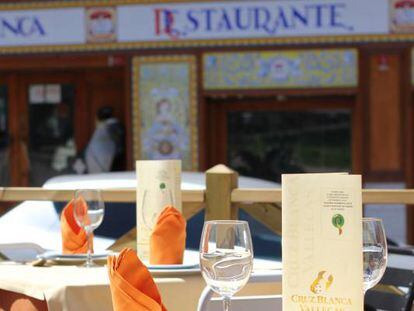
[(322, 283)]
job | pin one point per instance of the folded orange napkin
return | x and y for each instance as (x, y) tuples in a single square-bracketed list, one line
[(132, 287), (167, 243), (74, 238)]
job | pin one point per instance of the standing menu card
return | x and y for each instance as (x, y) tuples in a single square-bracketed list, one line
[(162, 175), (322, 242)]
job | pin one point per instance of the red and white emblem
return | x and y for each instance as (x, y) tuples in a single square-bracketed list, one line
[(402, 16), (101, 24)]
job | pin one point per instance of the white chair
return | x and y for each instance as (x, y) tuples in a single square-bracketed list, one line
[(244, 303)]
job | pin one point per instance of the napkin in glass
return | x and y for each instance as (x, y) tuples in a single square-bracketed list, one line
[(132, 287), (167, 242), (74, 238)]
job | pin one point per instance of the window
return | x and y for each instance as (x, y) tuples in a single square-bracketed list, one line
[(265, 144)]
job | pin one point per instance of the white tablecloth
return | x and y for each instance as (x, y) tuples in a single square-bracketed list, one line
[(72, 288)]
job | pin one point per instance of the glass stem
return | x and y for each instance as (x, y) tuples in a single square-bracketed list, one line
[(226, 303), (89, 258)]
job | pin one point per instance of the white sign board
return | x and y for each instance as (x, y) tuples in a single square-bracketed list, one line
[(165, 22), (37, 94), (253, 19), (53, 93), (42, 27)]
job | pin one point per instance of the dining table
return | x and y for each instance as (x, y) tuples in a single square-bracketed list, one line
[(72, 287)]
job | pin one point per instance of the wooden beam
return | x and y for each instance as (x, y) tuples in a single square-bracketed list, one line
[(381, 196), (220, 181), (63, 62), (110, 195), (369, 196), (268, 214), (256, 195)]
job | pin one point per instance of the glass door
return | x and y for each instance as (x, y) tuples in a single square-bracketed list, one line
[(50, 140)]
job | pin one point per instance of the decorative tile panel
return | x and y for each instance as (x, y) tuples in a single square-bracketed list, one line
[(281, 69), (165, 109)]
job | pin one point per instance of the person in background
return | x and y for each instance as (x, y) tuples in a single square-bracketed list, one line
[(105, 150)]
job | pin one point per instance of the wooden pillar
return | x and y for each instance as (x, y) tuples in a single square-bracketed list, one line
[(220, 182), (384, 159)]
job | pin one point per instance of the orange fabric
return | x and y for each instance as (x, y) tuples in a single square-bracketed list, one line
[(10, 301), (132, 286), (74, 238), (167, 243)]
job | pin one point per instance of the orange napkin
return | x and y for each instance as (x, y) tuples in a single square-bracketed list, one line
[(167, 243), (132, 287), (74, 238)]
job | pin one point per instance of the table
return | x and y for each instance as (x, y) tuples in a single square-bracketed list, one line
[(71, 288)]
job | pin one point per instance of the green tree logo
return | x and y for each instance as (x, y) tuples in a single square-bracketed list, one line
[(338, 222)]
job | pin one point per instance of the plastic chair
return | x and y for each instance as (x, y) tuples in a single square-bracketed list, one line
[(394, 292), (244, 303), (396, 289)]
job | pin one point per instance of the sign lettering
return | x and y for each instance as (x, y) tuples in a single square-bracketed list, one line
[(265, 20), (23, 26)]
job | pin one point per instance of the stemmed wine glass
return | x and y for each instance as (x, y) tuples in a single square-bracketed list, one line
[(374, 251), (89, 211), (226, 257), (153, 202)]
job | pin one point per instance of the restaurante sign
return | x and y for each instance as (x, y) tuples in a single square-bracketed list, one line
[(189, 22), (262, 19)]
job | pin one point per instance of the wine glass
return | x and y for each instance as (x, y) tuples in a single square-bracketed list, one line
[(226, 257), (89, 211), (374, 251), (153, 202)]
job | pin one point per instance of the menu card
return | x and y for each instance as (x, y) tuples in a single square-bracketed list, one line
[(163, 175), (322, 242)]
